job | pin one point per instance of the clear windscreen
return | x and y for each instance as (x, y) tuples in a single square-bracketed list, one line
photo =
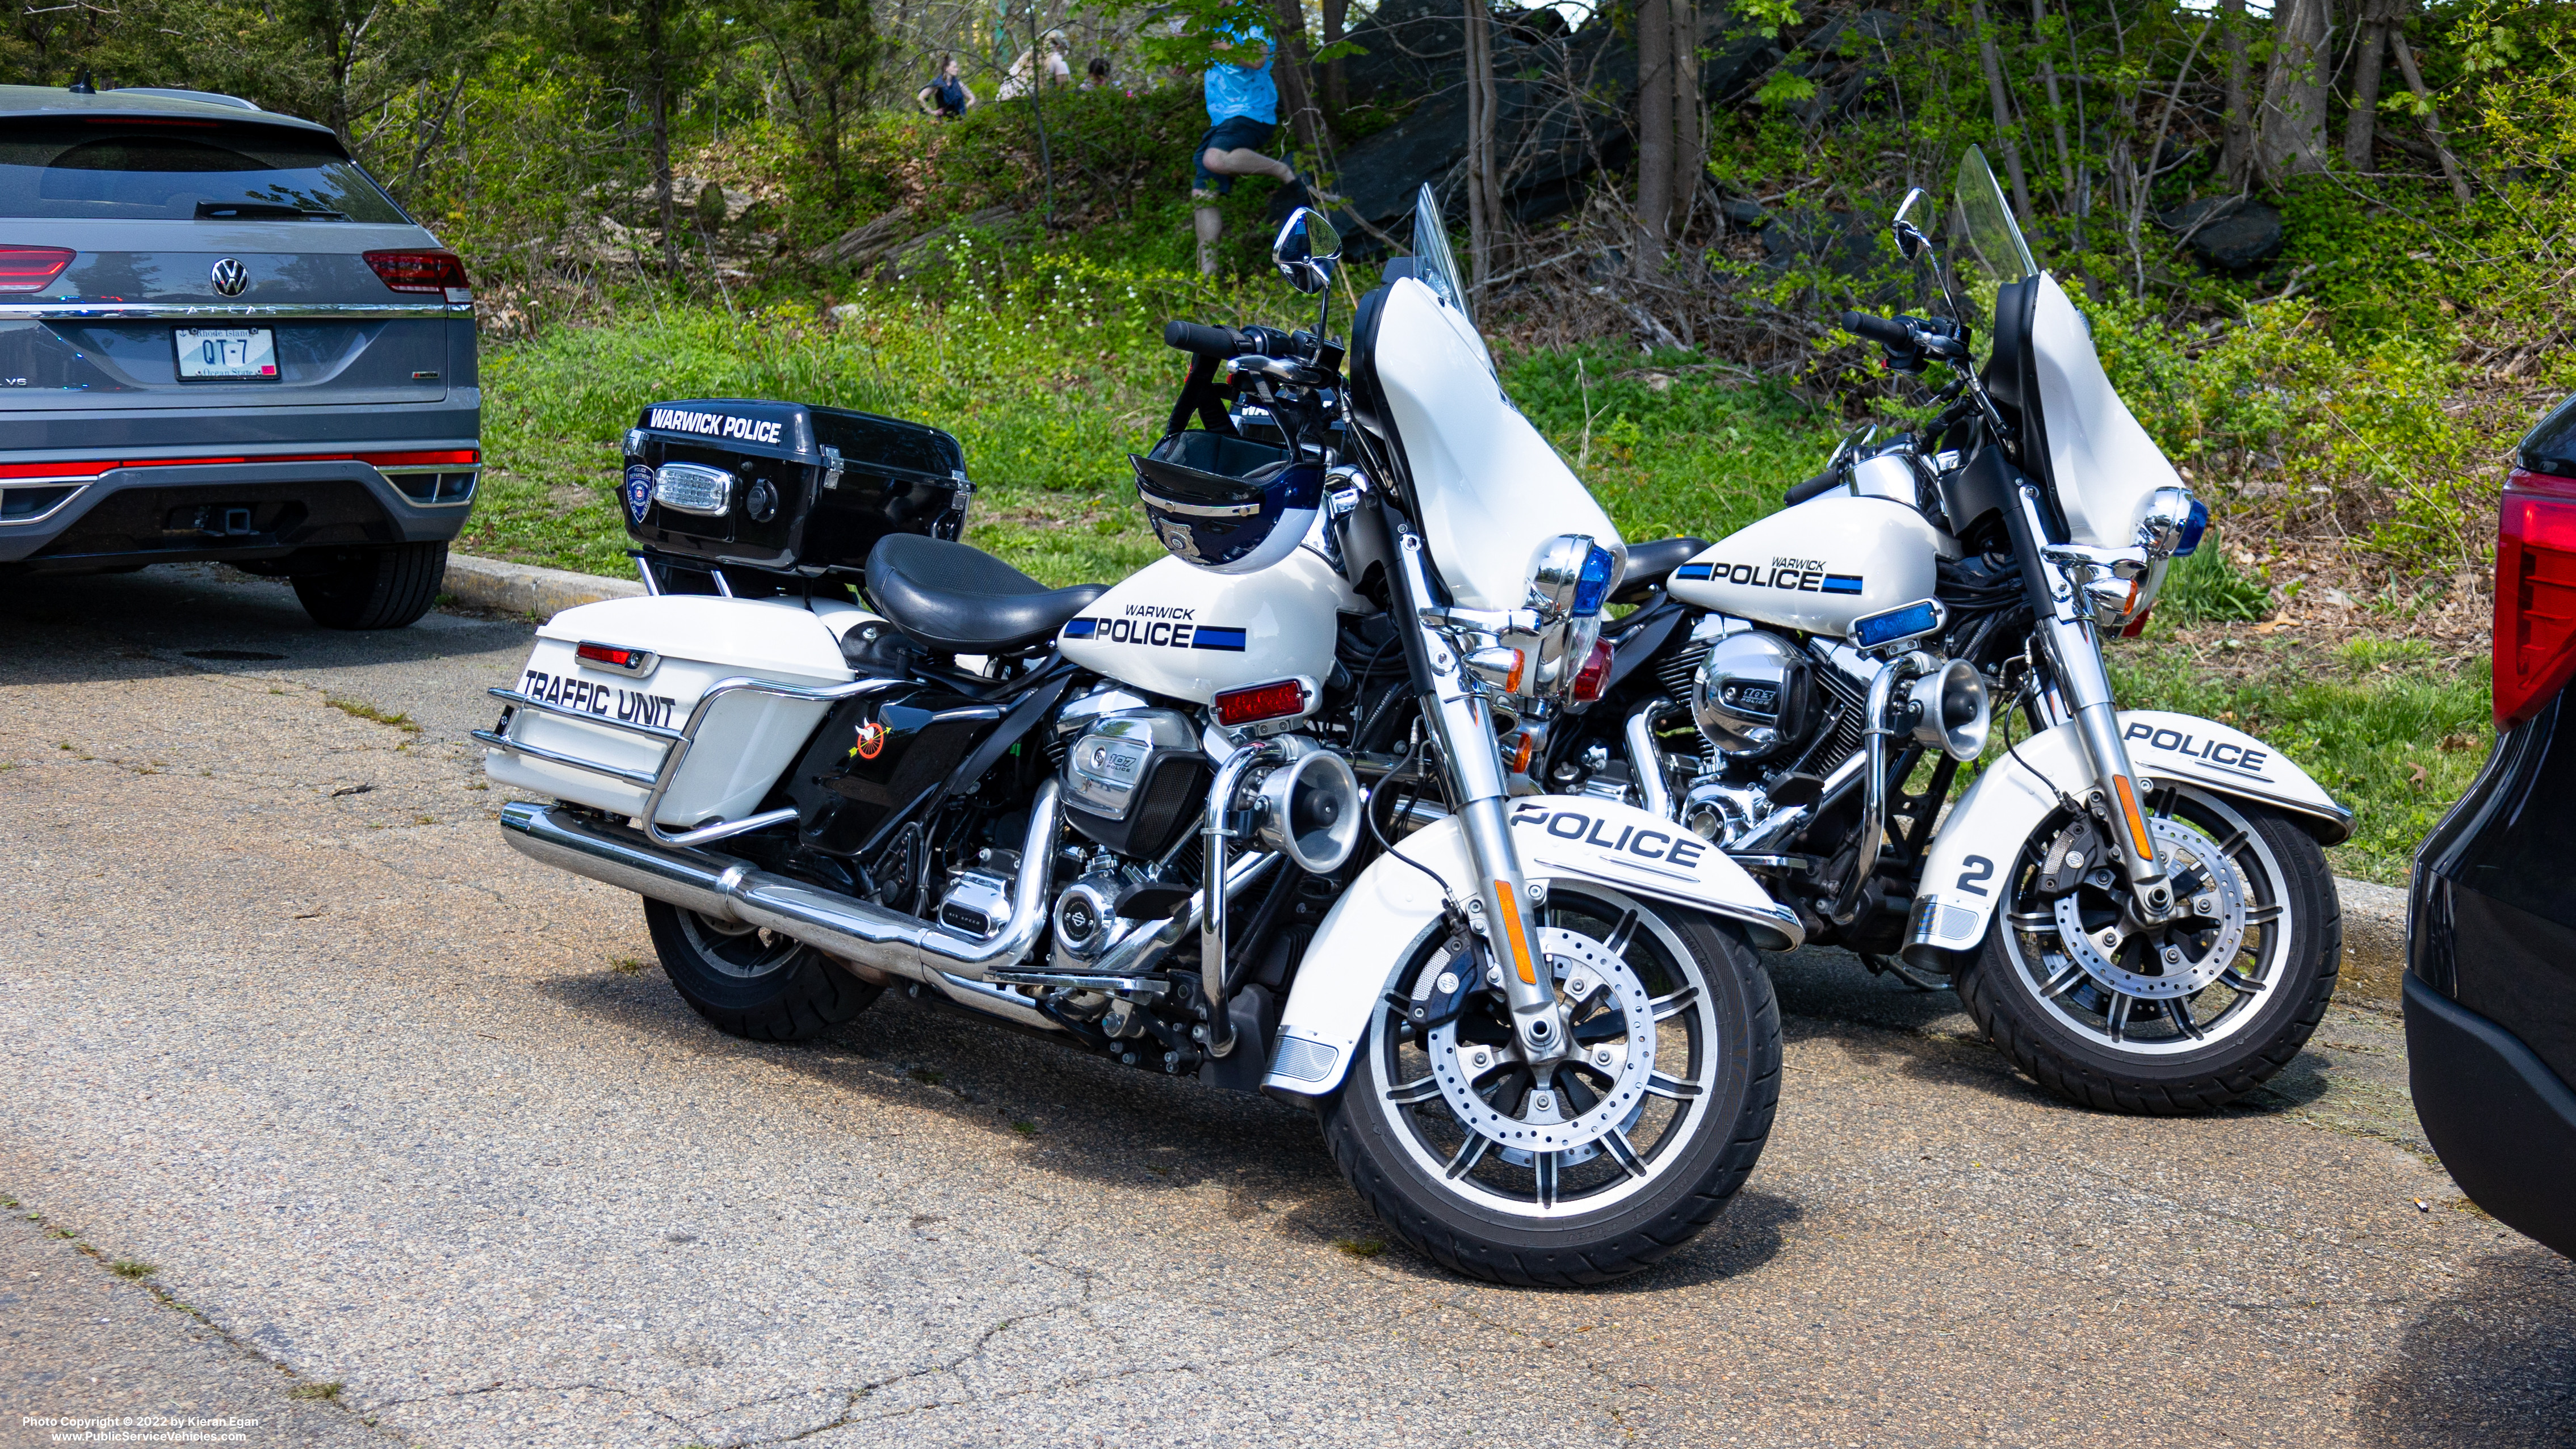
[(1984, 234), (1436, 265)]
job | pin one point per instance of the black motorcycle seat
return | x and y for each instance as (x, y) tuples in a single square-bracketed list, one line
[(1649, 564), (956, 599)]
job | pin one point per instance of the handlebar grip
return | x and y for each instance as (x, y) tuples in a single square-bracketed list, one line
[(1204, 341), (1813, 486), (1891, 331)]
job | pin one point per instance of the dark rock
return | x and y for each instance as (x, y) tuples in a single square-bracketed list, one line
[(2227, 232), (1861, 34), (1744, 215)]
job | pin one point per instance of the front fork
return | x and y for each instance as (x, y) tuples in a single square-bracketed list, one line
[(2074, 653), (1506, 908)]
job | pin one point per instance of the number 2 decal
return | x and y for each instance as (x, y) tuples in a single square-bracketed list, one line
[(1978, 869)]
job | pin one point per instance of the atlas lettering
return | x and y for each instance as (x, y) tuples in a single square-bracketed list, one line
[(2225, 754), (713, 425), (633, 706), (1157, 626), (1796, 575), (1574, 825)]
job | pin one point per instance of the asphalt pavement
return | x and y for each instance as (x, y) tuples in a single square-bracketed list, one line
[(402, 1139)]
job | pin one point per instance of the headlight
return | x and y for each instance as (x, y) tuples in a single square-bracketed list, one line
[(1574, 576), (2172, 523)]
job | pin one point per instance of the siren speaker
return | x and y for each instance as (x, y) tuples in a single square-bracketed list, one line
[(1951, 711), (1309, 811)]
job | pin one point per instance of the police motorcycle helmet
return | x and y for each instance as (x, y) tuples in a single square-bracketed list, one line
[(1226, 503)]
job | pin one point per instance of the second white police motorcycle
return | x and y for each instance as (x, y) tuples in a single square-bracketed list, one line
[(2133, 903), (1258, 815)]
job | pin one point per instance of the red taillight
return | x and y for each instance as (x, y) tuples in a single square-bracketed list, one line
[(612, 656), (439, 458), (1261, 702), (2535, 597), (32, 269), (1593, 679), (2138, 625), (422, 271)]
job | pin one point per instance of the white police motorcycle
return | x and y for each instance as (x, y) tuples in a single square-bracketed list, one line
[(1260, 814)]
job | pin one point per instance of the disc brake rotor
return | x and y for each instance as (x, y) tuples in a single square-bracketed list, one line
[(1541, 1119), (2179, 957)]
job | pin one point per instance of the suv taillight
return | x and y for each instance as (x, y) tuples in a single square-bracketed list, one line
[(32, 269), (435, 270), (2535, 597)]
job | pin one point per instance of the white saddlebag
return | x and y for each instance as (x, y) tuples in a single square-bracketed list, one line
[(584, 731)]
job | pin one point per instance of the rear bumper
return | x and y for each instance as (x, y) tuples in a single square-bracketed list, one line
[(2502, 1122), (274, 502)]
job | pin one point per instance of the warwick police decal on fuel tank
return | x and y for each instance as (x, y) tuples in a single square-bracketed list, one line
[(1797, 575), (713, 425), (2224, 754), (631, 705), (1161, 626)]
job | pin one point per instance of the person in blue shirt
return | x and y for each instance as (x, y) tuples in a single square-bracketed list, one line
[(1243, 114)]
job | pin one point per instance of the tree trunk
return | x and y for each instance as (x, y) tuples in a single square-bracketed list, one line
[(657, 83), (1690, 129), (1296, 88), (1655, 76), (2291, 139), (2236, 153), (1993, 61), (1484, 182), (2432, 119), (2056, 114), (2361, 126), (1337, 92)]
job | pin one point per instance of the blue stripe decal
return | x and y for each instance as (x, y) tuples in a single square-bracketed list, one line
[(1842, 583), (1081, 628), (1205, 637), (1692, 571)]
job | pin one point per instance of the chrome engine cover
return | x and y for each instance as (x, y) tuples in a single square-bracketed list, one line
[(1108, 766), (1754, 696)]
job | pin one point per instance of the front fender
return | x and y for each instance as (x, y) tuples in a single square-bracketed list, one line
[(1964, 877), (1389, 912)]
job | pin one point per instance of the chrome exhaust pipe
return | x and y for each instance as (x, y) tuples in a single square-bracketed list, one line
[(732, 890)]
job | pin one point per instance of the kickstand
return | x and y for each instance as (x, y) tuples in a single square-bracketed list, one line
[(1890, 966)]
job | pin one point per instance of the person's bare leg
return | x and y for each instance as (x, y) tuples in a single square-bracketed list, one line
[(1210, 223), (1244, 161)]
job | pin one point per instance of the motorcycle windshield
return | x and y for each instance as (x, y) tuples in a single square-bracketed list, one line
[(1433, 261), (1984, 225)]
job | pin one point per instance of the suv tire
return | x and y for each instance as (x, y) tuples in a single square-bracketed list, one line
[(376, 588)]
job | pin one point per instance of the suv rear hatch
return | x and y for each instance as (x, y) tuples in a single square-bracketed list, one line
[(157, 261)]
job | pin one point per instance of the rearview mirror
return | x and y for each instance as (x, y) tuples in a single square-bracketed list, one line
[(1911, 243), (1307, 250)]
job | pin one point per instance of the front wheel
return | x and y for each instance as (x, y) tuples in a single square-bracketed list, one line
[(1575, 1171), (2183, 1016)]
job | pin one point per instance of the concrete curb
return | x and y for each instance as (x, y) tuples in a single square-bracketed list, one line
[(2374, 916), (2374, 941), (489, 583)]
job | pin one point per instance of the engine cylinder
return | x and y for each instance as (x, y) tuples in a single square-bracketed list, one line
[(1754, 696)]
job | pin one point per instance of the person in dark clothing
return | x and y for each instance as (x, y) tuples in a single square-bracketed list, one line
[(946, 97)]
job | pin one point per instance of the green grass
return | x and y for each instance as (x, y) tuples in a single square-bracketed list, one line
[(2382, 726)]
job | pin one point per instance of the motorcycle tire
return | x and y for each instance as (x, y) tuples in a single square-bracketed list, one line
[(2055, 1016), (1604, 1212), (752, 983)]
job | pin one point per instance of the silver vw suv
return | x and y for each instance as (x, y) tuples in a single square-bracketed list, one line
[(221, 340)]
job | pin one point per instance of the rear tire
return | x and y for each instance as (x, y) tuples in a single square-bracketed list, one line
[(375, 588), (1698, 1077), (752, 983), (2231, 1035)]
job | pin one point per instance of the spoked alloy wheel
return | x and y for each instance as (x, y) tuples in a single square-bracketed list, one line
[(1583, 1169), (750, 982), (2178, 1016)]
